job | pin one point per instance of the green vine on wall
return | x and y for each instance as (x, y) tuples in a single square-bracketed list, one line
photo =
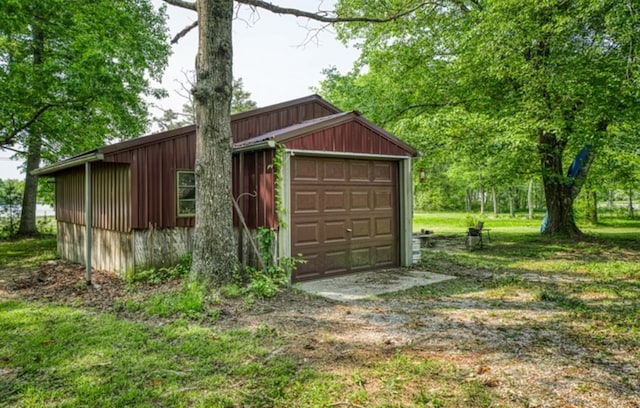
[(276, 166)]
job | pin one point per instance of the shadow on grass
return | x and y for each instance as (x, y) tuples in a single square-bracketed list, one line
[(56, 355), (27, 252)]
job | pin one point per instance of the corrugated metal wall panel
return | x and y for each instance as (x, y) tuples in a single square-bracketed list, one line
[(110, 198), (256, 198), (69, 196), (153, 187)]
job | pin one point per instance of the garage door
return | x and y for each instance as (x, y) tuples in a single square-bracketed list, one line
[(344, 215)]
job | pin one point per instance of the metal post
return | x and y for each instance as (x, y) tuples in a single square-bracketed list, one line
[(87, 220)]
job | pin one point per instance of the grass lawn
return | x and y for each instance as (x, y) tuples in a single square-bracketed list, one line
[(528, 322), (27, 252)]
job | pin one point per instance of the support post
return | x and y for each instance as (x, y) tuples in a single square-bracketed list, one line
[(87, 220), (240, 199)]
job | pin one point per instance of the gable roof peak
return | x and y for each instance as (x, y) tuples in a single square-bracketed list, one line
[(293, 102)]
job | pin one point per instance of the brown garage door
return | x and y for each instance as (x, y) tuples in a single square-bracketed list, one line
[(343, 215)]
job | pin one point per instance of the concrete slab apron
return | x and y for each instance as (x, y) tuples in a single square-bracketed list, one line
[(367, 284)]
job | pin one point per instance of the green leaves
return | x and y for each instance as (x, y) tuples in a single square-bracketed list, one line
[(474, 84), (79, 71)]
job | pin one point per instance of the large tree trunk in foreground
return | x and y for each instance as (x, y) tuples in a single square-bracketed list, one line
[(28, 226), (214, 254)]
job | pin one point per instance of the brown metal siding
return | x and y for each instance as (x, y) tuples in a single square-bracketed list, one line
[(254, 188), (253, 126), (111, 199), (154, 162), (69, 196), (153, 180), (154, 166), (153, 183), (350, 137)]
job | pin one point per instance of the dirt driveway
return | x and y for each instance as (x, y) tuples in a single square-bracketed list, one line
[(528, 352)]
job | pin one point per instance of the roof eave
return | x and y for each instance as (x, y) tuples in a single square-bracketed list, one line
[(67, 164), (265, 144)]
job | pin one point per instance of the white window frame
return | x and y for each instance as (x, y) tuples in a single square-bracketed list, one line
[(181, 200)]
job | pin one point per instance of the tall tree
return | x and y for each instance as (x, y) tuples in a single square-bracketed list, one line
[(73, 76), (555, 75), (214, 254)]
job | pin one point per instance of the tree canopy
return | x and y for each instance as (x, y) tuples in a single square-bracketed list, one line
[(500, 84), (74, 75)]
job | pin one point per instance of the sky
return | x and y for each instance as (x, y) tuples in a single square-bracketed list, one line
[(278, 58)]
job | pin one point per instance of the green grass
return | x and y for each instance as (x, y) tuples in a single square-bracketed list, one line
[(609, 250), (164, 348), (189, 300), (27, 252), (457, 223), (59, 356), (600, 277)]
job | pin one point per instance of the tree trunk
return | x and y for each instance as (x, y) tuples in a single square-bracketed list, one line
[(512, 210), (214, 253), (467, 199), (594, 207), (481, 199), (530, 203), (494, 200), (630, 206), (610, 200), (557, 194), (28, 226)]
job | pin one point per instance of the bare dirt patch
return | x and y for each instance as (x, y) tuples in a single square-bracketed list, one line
[(64, 283)]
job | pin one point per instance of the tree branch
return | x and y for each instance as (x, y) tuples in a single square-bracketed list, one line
[(422, 106), (12, 149), (9, 139), (183, 4), (330, 19), (322, 16), (184, 32)]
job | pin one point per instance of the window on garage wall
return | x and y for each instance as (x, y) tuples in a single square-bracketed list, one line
[(186, 194)]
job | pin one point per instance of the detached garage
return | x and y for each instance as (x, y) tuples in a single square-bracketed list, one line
[(344, 185)]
